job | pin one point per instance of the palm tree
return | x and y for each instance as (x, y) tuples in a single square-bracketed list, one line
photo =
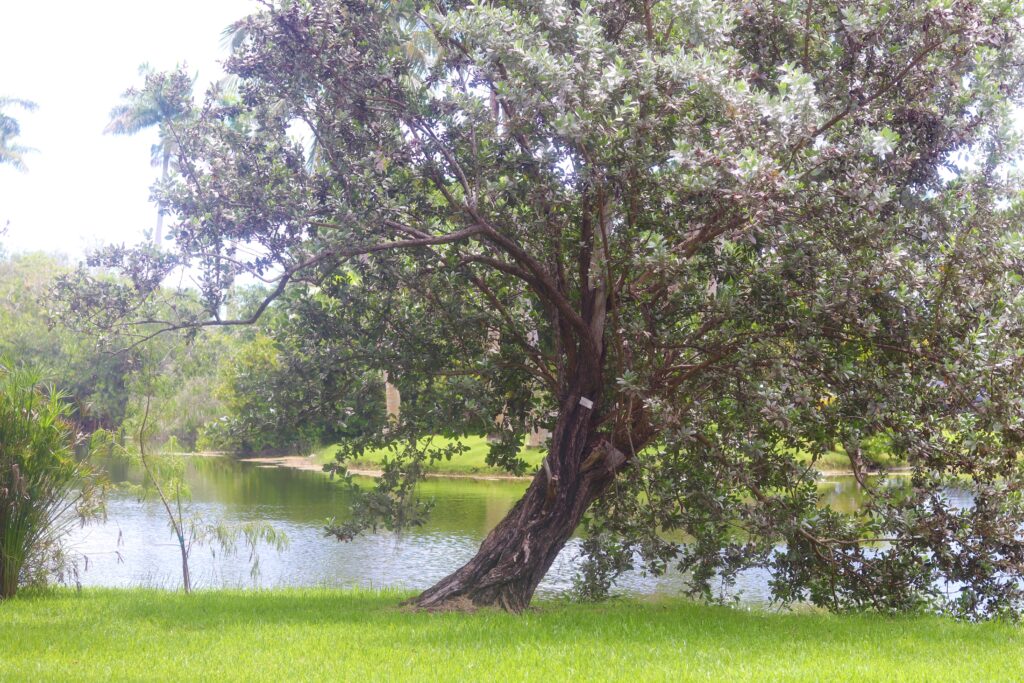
[(11, 153), (164, 99)]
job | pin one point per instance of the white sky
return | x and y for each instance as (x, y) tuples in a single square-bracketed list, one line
[(74, 59)]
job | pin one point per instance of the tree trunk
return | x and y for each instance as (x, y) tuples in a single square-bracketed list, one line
[(518, 552), (186, 575), (9, 570), (392, 399)]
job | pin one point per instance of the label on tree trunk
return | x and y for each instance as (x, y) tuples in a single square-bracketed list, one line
[(586, 402)]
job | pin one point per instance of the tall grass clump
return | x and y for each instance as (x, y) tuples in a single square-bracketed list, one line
[(44, 489)]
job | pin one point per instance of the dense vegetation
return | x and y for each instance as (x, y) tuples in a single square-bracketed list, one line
[(221, 388), (94, 380)]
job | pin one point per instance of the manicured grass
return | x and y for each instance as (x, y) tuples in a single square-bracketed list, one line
[(472, 461), (102, 635), (838, 461)]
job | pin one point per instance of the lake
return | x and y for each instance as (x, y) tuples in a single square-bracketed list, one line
[(135, 546)]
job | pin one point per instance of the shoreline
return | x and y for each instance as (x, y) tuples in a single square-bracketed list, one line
[(308, 464)]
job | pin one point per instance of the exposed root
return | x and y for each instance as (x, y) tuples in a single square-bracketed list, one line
[(459, 603)]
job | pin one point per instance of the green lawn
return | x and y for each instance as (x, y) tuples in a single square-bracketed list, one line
[(838, 461), (139, 635), (472, 462)]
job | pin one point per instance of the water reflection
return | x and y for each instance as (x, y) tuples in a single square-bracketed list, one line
[(135, 546)]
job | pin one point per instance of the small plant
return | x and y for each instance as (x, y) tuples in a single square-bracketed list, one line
[(44, 489), (164, 478)]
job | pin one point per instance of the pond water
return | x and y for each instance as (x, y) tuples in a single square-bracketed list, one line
[(135, 546)]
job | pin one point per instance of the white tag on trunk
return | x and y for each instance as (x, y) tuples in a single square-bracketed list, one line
[(586, 402)]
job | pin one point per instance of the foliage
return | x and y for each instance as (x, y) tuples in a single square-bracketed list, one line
[(44, 490), (604, 561), (98, 373), (180, 379), (286, 389), (207, 635), (694, 239), (10, 152), (163, 99), (92, 379), (265, 409)]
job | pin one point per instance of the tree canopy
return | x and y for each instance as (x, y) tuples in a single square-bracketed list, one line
[(694, 239), (163, 99), (92, 380)]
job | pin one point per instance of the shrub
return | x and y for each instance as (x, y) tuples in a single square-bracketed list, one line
[(44, 489)]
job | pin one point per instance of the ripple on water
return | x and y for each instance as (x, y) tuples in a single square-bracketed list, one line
[(135, 546)]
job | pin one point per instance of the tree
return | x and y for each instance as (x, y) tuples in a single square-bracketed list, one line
[(91, 379), (165, 476), (11, 153), (162, 100), (738, 230)]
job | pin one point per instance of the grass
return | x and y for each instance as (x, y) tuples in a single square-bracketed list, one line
[(838, 461), (473, 462), (143, 635)]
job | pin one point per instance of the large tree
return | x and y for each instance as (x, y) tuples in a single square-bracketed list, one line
[(695, 239)]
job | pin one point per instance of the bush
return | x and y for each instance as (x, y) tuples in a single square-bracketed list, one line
[(44, 489)]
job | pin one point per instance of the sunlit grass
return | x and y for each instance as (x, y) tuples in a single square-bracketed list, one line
[(473, 461), (101, 635), (838, 461)]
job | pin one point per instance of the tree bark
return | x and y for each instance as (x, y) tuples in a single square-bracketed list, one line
[(580, 465), (518, 552), (186, 575)]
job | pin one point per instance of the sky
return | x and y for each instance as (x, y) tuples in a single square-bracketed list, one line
[(74, 59)]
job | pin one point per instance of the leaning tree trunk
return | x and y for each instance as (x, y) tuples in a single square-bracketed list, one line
[(518, 552)]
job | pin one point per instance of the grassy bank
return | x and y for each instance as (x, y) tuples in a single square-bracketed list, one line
[(838, 461), (473, 461), (340, 635)]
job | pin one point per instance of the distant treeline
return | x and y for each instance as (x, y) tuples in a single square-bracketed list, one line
[(221, 389)]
